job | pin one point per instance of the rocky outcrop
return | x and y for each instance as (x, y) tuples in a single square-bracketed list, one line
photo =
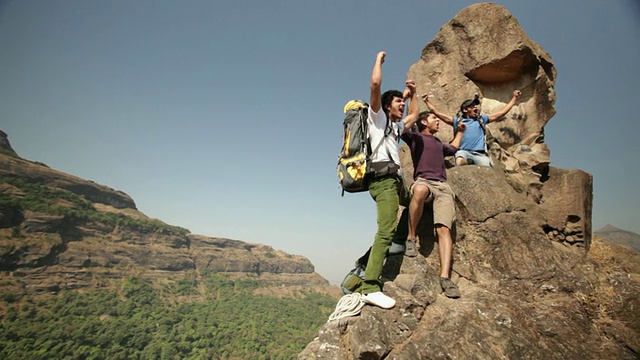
[(483, 50), (568, 218), (534, 283), (14, 166), (523, 296), (224, 255), (5, 146)]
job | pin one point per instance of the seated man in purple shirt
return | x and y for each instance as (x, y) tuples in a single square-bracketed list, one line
[(428, 153)]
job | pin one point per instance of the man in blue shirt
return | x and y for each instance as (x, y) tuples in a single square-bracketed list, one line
[(473, 147)]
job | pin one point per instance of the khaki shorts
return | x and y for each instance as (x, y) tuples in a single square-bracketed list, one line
[(444, 208)]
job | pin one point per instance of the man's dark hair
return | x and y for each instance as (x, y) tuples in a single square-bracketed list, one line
[(387, 98), (423, 116)]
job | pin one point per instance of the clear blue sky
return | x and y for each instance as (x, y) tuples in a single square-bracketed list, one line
[(225, 117)]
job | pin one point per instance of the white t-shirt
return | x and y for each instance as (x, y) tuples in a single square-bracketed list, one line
[(377, 125)]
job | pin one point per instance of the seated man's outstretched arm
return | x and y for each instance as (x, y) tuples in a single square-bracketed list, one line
[(497, 115), (458, 138)]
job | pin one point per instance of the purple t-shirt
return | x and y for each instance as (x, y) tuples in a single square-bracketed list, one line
[(428, 154)]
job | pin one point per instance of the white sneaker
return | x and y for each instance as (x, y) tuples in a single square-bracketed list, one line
[(379, 299)]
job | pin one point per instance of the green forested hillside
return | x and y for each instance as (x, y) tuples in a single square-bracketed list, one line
[(211, 317)]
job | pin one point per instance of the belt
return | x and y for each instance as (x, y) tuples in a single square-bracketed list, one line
[(385, 168), (391, 174)]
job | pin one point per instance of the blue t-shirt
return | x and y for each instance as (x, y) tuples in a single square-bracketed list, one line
[(473, 138)]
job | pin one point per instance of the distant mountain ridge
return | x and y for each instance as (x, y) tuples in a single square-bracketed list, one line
[(58, 231), (618, 236)]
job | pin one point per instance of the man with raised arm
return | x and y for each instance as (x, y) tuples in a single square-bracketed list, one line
[(428, 153), (473, 147), (386, 125)]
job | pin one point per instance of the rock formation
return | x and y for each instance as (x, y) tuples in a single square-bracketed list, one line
[(483, 50), (60, 232), (5, 147), (566, 205), (523, 295), (533, 284)]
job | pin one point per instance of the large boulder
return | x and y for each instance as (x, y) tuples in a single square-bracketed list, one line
[(483, 50), (567, 203)]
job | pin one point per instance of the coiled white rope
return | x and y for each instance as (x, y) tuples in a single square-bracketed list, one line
[(348, 305)]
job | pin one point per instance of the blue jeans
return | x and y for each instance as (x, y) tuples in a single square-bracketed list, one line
[(475, 157)]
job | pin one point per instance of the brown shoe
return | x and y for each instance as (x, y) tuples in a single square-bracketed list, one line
[(411, 249), (450, 289)]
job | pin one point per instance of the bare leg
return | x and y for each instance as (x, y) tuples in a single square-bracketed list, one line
[(445, 249), (460, 161), (420, 194)]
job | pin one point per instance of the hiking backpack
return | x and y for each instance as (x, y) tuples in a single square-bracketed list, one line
[(354, 159), (459, 116), (354, 279), (354, 162)]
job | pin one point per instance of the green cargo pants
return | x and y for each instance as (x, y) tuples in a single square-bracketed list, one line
[(385, 192)]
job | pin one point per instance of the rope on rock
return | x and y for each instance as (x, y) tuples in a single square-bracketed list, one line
[(348, 305)]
